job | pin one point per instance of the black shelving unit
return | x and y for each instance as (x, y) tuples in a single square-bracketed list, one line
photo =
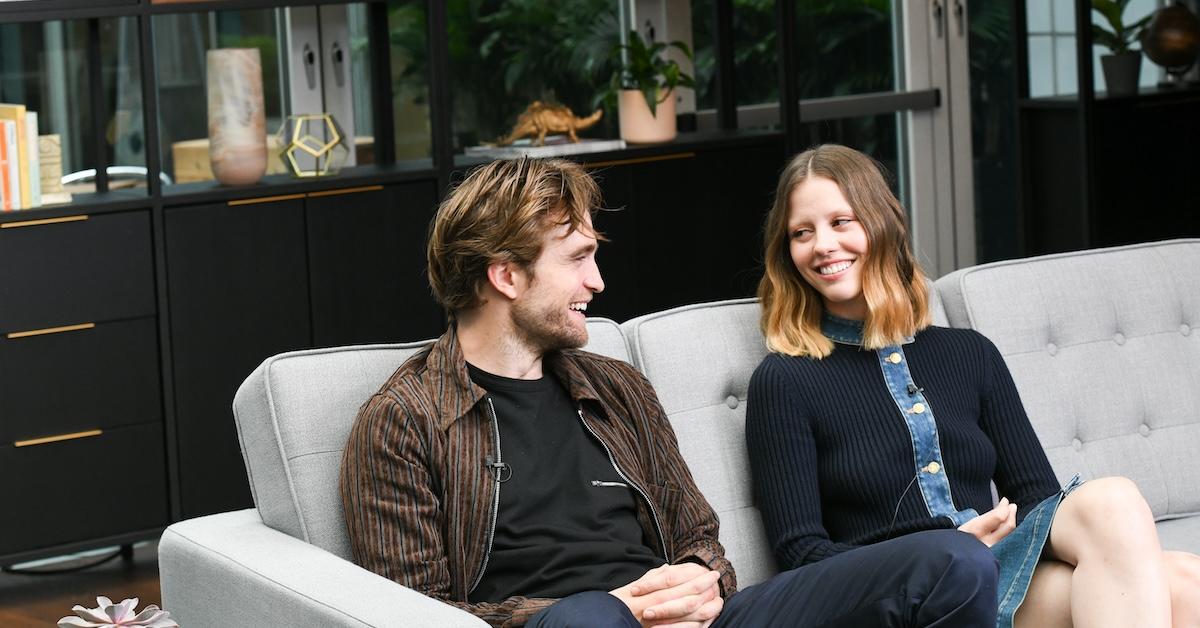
[(213, 279), (1098, 170)]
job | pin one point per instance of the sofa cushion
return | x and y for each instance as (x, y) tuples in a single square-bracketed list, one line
[(1182, 534), (1104, 346), (699, 359), (294, 414)]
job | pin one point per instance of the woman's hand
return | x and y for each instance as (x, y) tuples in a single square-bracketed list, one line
[(994, 524)]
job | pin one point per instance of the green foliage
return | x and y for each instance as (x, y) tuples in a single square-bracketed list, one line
[(755, 52), (644, 68), (845, 47), (1119, 35), (505, 54), (408, 42)]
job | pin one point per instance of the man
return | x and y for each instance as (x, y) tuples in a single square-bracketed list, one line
[(509, 474)]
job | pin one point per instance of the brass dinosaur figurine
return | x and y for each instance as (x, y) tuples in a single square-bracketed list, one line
[(540, 118)]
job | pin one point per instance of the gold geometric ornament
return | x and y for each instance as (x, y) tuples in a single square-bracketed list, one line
[(312, 144)]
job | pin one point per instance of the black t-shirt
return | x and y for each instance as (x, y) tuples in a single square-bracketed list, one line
[(567, 522)]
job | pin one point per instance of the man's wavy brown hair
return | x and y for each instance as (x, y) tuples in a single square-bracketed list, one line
[(500, 213)]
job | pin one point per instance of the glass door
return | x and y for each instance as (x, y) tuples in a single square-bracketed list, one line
[(890, 78), (942, 197)]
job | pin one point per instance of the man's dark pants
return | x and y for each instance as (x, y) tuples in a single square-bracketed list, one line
[(939, 578)]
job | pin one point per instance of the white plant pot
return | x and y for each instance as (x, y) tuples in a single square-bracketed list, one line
[(638, 126)]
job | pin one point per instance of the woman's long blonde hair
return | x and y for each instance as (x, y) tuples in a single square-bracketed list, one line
[(893, 284)]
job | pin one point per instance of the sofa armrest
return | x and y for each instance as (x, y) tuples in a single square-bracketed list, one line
[(232, 570)]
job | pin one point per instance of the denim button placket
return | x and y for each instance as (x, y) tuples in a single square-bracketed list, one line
[(923, 432), (917, 415)]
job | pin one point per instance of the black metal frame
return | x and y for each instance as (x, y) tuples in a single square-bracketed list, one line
[(726, 79), (443, 160), (98, 110), (1084, 102), (381, 74), (1020, 55), (1087, 99), (860, 105), (440, 119), (789, 92)]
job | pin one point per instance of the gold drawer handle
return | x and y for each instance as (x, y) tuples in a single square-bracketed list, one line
[(365, 188), (50, 330), (637, 160), (55, 439), (264, 199), (43, 221)]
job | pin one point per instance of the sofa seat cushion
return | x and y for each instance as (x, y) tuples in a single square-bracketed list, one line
[(1104, 346), (1182, 534)]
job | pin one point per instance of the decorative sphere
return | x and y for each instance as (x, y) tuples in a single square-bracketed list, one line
[(1172, 38)]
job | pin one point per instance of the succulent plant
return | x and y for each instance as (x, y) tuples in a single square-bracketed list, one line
[(109, 615)]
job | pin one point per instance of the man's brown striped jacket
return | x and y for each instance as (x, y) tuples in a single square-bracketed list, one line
[(418, 496)]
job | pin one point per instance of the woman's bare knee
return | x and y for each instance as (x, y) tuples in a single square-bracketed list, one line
[(1103, 515), (1048, 602)]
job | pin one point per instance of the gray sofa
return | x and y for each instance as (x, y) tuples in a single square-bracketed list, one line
[(1104, 346)]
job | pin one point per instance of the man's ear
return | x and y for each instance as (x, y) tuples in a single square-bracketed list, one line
[(506, 278)]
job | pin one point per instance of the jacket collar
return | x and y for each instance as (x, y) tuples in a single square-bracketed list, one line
[(455, 395), (845, 331)]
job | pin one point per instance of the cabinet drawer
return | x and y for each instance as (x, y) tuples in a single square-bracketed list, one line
[(101, 377), (76, 272), (81, 489)]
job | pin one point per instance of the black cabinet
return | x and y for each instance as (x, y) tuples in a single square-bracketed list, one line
[(94, 378), (1142, 154), (81, 440), (685, 228), (109, 485), (248, 281), (367, 265), (74, 270), (237, 279)]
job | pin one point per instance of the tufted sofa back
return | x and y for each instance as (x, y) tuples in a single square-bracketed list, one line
[(294, 414), (1104, 346), (699, 359)]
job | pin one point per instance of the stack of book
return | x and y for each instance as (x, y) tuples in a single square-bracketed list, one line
[(24, 182)]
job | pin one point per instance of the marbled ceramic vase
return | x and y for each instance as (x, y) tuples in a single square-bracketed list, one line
[(237, 127)]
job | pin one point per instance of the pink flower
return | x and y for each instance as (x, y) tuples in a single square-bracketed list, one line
[(109, 615)]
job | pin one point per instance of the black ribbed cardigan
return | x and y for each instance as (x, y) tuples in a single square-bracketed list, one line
[(831, 457)]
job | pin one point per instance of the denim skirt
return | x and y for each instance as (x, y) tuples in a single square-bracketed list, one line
[(1019, 552)]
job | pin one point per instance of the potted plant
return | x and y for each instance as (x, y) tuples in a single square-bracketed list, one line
[(1122, 67), (645, 85)]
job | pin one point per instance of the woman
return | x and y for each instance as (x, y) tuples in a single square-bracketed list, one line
[(865, 423)]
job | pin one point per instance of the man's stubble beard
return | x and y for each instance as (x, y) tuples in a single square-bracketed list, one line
[(546, 330)]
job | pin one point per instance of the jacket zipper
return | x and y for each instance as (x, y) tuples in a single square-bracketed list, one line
[(653, 512), (487, 554)]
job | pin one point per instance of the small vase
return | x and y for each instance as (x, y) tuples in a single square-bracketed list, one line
[(1121, 72), (638, 125), (237, 126)]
